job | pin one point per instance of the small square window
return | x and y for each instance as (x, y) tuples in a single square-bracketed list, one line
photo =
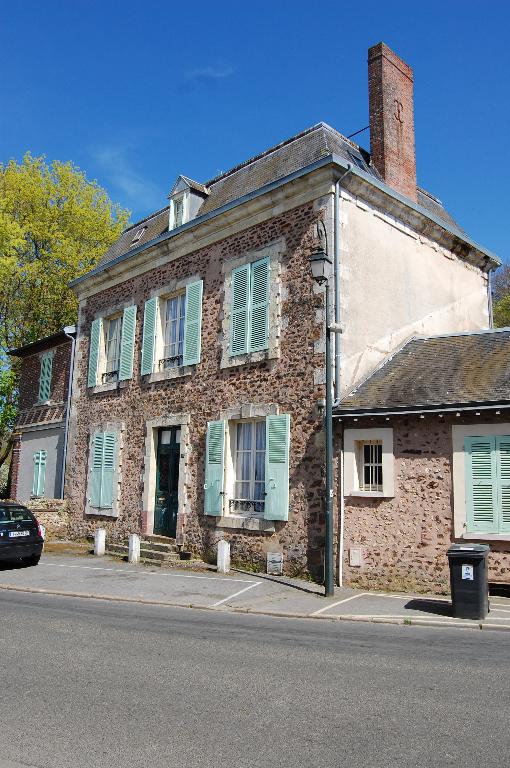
[(370, 470)]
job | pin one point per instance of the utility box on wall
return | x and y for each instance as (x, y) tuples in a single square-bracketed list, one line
[(275, 563)]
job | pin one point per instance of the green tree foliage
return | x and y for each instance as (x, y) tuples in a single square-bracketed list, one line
[(54, 226), (502, 312)]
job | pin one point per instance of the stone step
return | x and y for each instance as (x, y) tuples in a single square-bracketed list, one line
[(146, 553), (157, 546), (159, 539)]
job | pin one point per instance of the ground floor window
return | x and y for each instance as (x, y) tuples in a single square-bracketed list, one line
[(249, 468), (487, 484), (370, 465)]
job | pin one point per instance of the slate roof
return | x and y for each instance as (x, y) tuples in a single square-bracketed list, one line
[(295, 153), (437, 371)]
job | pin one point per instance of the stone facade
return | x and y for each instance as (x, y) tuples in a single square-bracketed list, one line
[(404, 539), (286, 376)]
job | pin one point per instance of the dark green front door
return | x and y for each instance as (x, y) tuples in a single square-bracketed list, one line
[(167, 481)]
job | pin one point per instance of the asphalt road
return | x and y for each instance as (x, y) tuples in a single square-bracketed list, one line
[(90, 683)]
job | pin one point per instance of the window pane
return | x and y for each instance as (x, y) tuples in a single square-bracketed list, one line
[(260, 466), (261, 435)]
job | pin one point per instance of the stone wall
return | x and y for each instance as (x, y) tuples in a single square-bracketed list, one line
[(287, 378), (404, 539)]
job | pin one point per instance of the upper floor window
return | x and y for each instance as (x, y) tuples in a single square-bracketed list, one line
[(174, 313), (172, 327), (45, 377), (249, 310), (112, 341)]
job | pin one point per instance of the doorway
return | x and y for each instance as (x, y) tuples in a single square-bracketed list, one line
[(166, 502)]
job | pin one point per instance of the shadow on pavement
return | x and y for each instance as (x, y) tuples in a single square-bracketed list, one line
[(437, 607)]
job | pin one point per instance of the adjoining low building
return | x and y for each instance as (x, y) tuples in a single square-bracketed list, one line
[(40, 435), (427, 461)]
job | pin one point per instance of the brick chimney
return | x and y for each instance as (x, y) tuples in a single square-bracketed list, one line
[(390, 95)]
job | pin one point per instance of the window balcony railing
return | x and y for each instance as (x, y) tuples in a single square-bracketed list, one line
[(109, 376), (169, 362), (247, 507)]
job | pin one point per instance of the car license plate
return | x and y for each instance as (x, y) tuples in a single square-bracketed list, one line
[(12, 534)]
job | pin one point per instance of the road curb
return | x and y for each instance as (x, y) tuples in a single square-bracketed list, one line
[(405, 622)]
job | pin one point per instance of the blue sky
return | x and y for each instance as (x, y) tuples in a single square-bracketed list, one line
[(137, 92)]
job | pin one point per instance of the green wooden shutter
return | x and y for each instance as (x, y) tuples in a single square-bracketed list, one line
[(45, 377), (149, 335), (259, 293), (127, 343), (240, 310), (192, 323), (503, 465), (109, 446), (96, 469), (95, 337), (214, 468), (481, 485), (39, 473), (277, 467)]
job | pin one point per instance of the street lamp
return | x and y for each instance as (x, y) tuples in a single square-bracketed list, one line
[(321, 271)]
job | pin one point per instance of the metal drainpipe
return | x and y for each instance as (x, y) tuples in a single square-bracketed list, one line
[(336, 256), (68, 408)]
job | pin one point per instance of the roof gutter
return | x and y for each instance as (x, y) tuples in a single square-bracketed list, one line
[(410, 410), (327, 160)]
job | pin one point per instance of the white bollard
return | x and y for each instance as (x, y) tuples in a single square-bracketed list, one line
[(223, 561), (134, 548), (100, 542)]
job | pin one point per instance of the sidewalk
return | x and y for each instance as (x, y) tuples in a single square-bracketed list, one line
[(107, 579)]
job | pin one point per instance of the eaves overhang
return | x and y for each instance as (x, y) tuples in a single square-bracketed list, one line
[(363, 178), (413, 410)]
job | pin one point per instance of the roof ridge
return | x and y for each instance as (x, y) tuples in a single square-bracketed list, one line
[(267, 152)]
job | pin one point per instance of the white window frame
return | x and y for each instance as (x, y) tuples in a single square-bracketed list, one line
[(178, 198), (161, 325), (230, 469), (372, 464), (103, 361), (353, 465), (459, 433)]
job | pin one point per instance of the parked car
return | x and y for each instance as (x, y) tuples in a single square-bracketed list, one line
[(21, 535)]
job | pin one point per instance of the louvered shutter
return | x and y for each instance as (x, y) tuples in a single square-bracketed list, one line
[(192, 323), (503, 465), (259, 292), (481, 485), (96, 471), (45, 377), (39, 473), (149, 336), (214, 468), (109, 446), (277, 467), (95, 337), (240, 310), (127, 343)]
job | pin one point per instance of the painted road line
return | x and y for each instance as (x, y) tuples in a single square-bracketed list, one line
[(236, 594), (147, 573), (333, 605)]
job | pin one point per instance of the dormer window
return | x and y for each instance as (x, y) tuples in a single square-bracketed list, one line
[(186, 198), (178, 204)]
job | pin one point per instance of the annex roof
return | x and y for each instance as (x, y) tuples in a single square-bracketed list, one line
[(436, 371), (45, 343)]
